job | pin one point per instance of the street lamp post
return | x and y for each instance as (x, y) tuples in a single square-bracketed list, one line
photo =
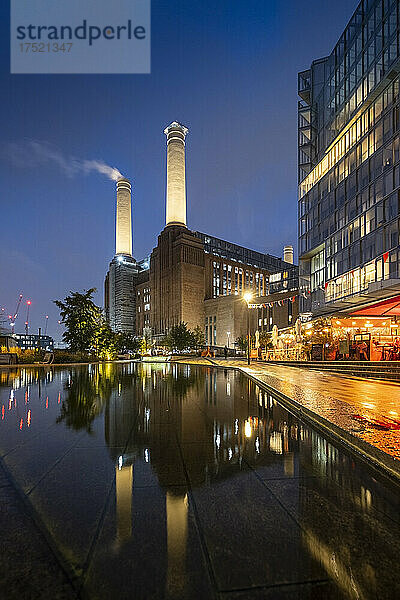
[(228, 335), (248, 296)]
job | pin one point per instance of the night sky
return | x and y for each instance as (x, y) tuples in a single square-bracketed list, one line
[(225, 69)]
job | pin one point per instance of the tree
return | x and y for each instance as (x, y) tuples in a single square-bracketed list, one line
[(106, 342), (83, 321), (241, 342), (146, 340), (126, 342), (198, 336), (179, 337), (265, 339)]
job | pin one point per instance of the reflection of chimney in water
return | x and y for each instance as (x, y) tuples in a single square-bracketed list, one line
[(177, 523), (123, 492)]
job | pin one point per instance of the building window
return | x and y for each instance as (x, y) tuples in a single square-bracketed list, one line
[(317, 270)]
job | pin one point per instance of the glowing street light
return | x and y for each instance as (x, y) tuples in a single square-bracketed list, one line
[(248, 296)]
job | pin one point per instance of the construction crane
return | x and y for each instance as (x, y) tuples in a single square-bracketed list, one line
[(15, 315), (28, 305)]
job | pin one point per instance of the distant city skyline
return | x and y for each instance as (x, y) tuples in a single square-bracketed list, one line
[(228, 72)]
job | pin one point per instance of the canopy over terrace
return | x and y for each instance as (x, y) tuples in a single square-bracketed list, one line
[(384, 308)]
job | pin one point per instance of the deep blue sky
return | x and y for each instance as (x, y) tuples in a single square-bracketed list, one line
[(228, 71)]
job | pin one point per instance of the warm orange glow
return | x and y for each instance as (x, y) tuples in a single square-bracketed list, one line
[(247, 429)]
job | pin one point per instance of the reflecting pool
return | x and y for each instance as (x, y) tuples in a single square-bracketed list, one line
[(173, 481)]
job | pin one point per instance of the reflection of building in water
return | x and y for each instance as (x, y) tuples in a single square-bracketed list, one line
[(123, 495), (17, 387), (216, 419), (177, 525), (347, 500), (19, 377), (234, 421)]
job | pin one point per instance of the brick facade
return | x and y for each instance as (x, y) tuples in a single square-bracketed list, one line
[(177, 280), (186, 283)]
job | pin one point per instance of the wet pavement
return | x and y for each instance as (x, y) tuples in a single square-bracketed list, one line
[(173, 481)]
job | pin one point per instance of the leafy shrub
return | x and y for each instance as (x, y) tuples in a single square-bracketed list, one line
[(29, 357), (66, 356)]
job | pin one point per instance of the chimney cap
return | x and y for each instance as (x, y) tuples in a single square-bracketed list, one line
[(176, 125), (123, 180)]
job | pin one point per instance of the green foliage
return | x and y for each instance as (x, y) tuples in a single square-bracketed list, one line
[(126, 342), (82, 320), (241, 342), (86, 330), (198, 336), (29, 357), (179, 337), (266, 339), (145, 343), (106, 342), (65, 356)]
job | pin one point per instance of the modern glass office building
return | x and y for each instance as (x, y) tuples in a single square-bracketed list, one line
[(349, 169)]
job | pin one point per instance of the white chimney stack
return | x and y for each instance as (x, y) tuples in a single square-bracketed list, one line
[(123, 232), (176, 180), (288, 254)]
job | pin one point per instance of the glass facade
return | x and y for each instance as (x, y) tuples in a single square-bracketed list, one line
[(252, 258), (349, 169), (229, 279), (210, 331)]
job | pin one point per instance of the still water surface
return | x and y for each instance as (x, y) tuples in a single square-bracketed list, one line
[(172, 481)]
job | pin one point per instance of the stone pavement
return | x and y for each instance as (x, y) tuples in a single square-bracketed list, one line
[(25, 555)]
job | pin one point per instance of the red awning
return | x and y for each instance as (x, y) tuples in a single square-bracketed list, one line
[(385, 308)]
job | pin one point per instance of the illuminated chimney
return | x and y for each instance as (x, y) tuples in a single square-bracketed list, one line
[(288, 254), (123, 237), (176, 181)]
